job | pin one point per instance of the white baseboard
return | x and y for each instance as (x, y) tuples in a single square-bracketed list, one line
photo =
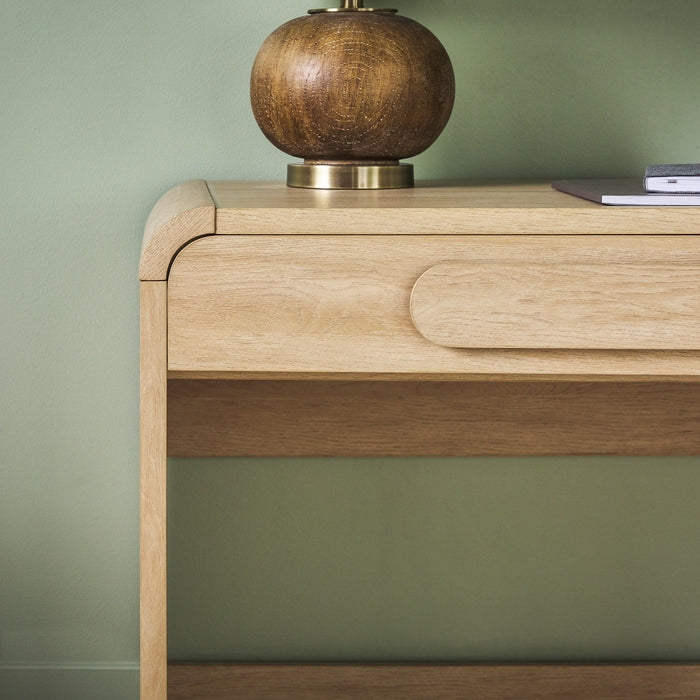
[(88, 681)]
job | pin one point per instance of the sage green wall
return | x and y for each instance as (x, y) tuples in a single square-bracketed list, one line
[(104, 106)]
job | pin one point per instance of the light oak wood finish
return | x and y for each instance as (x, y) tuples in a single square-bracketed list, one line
[(198, 208), (290, 333), (323, 418), (153, 491), (435, 208), (341, 304), (439, 377), (180, 215), (609, 304), (435, 681)]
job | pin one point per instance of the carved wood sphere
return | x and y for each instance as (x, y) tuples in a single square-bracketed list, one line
[(353, 87)]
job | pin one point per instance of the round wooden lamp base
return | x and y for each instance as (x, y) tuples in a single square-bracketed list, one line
[(352, 92), (349, 176)]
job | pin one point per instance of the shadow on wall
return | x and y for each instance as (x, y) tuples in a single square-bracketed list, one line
[(552, 89)]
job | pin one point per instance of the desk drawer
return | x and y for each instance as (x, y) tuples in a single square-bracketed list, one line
[(605, 304), (530, 305)]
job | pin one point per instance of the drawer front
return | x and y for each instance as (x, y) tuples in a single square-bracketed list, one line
[(604, 305), (473, 305)]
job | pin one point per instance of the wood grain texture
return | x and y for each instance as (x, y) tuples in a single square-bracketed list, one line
[(346, 87), (436, 377), (336, 418), (336, 307), (603, 305), (435, 208), (340, 304), (180, 215), (153, 492), (435, 681)]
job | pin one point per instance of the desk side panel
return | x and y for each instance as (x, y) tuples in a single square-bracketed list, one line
[(153, 491)]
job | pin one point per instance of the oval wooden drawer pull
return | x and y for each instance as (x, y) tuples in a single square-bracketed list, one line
[(570, 305)]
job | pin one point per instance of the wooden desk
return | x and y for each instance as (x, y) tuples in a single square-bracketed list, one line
[(453, 319)]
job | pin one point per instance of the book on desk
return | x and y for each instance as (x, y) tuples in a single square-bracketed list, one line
[(627, 191), (674, 178)]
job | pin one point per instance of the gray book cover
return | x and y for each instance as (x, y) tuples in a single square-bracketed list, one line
[(674, 170), (679, 178)]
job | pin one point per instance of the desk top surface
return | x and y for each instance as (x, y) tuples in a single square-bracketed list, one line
[(435, 194), (458, 207)]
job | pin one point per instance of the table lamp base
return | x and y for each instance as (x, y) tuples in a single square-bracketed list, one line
[(350, 176)]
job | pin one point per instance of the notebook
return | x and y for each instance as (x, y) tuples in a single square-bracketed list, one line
[(623, 192)]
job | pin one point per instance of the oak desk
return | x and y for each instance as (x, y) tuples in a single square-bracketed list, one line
[(452, 319)]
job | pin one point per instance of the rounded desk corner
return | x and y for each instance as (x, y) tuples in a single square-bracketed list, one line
[(182, 214)]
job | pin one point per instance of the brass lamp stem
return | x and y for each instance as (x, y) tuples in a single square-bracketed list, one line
[(350, 6)]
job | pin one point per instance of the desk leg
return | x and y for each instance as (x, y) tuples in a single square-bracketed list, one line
[(154, 660)]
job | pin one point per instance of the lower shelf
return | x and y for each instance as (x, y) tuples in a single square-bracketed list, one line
[(215, 681), (218, 418)]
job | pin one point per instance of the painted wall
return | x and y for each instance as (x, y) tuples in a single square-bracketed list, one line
[(103, 107)]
